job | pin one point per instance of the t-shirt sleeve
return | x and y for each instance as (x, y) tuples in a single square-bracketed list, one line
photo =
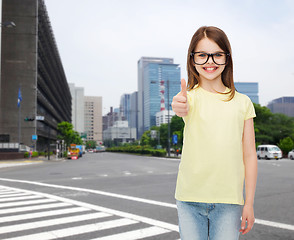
[(250, 111)]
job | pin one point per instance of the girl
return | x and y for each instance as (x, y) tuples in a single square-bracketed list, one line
[(219, 144)]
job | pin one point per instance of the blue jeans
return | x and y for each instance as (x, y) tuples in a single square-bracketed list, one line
[(219, 221)]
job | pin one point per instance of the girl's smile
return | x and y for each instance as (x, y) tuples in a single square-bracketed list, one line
[(210, 69)]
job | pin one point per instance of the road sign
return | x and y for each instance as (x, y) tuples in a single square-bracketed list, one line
[(27, 119), (175, 139), (40, 118), (153, 134), (34, 137)]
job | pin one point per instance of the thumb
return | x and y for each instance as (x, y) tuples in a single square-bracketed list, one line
[(183, 87), (243, 223)]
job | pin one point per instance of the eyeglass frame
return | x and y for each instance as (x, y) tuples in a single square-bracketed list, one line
[(208, 56)]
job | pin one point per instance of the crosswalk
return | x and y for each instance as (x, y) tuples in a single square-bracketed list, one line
[(29, 215)]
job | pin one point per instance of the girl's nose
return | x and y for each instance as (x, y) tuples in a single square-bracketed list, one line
[(210, 60)]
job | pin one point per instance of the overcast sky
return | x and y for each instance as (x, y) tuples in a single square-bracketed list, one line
[(100, 41)]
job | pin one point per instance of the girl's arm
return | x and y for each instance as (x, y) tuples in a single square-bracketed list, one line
[(250, 162)]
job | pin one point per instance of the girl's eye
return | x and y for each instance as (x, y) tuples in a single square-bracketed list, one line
[(202, 55), (218, 54)]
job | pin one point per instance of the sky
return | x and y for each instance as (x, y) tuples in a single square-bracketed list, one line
[(101, 41)]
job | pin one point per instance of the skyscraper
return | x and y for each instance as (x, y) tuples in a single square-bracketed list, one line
[(152, 73), (77, 103), (93, 118), (124, 107)]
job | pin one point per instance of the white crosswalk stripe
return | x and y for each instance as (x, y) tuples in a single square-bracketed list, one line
[(28, 215), (136, 234)]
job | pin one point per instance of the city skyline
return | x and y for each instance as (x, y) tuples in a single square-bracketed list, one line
[(100, 43)]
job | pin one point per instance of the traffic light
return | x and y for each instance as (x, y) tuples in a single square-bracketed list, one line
[(27, 119)]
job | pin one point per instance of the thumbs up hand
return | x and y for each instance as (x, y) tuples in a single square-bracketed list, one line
[(180, 104)]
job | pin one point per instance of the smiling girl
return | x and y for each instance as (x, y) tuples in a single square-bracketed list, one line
[(219, 144)]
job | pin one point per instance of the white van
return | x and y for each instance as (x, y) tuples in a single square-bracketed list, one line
[(268, 152)]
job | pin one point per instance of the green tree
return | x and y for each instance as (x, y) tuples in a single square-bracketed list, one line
[(286, 145), (91, 144), (177, 127), (145, 138), (270, 127), (67, 134)]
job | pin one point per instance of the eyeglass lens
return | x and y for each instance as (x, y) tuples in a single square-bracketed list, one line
[(218, 58)]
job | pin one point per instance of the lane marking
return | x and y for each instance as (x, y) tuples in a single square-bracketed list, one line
[(18, 198), (13, 195), (13, 204), (77, 178), (142, 200), (275, 224), (136, 234), (32, 208), (51, 222), (120, 196), (55, 234), (138, 218), (43, 214)]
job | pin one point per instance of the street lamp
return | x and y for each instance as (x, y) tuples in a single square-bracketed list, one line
[(8, 24)]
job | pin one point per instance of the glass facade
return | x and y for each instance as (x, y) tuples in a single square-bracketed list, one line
[(152, 74), (248, 88), (125, 106)]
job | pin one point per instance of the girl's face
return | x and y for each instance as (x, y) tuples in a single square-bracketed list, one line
[(209, 71)]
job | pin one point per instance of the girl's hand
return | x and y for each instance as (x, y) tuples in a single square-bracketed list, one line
[(247, 215), (180, 104)]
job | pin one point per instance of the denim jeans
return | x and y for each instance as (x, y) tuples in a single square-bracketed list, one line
[(218, 221)]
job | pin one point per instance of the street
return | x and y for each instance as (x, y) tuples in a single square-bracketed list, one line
[(121, 196)]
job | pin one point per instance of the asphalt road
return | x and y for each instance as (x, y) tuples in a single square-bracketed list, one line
[(120, 196)]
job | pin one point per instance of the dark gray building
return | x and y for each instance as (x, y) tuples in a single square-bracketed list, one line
[(30, 62), (283, 105)]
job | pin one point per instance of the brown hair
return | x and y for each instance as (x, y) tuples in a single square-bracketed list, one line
[(220, 38)]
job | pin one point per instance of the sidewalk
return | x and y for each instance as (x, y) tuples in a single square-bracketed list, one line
[(27, 161)]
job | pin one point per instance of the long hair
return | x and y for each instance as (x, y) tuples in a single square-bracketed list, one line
[(220, 38)]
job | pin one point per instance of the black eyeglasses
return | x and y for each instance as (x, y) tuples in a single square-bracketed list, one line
[(200, 58)]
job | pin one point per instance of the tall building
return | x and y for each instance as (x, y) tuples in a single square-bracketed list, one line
[(93, 118), (133, 122), (30, 62), (248, 88), (125, 104), (283, 105), (77, 103), (151, 73)]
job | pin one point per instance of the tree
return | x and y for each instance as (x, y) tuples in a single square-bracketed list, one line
[(286, 145), (270, 127), (68, 134), (91, 144), (146, 138), (177, 127)]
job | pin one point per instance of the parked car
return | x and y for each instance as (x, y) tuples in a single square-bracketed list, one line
[(268, 152), (291, 154)]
